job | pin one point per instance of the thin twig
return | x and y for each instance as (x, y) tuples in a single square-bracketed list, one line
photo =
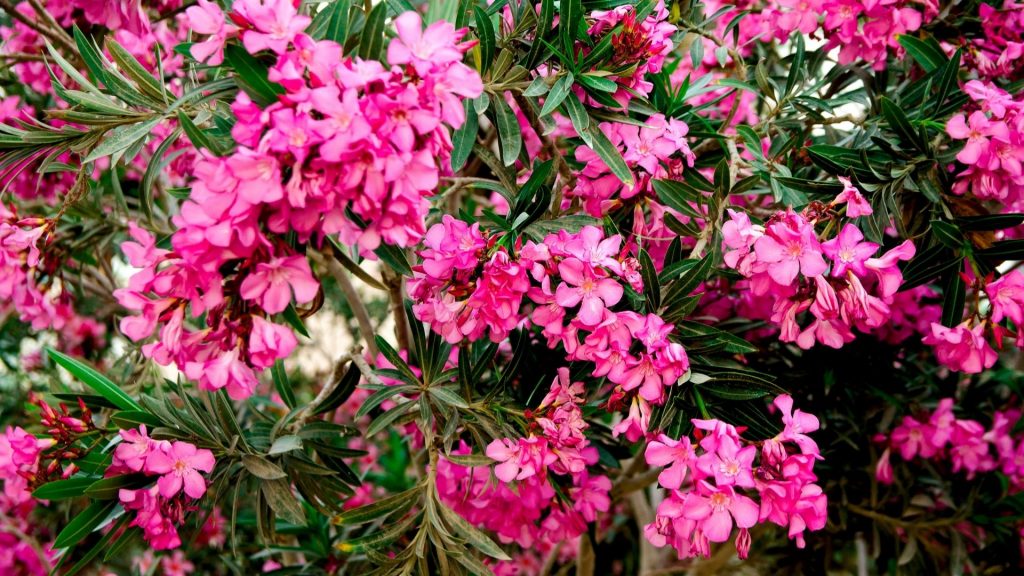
[(396, 292), (354, 301)]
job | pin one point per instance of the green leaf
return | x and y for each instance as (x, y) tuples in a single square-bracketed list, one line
[(282, 385), (394, 257), (989, 222), (251, 75), (679, 196), (899, 123), (285, 444), (509, 135), (464, 138), (379, 539), (199, 138), (1005, 250), (380, 509), (485, 32), (371, 40), (473, 535), (569, 19), (611, 156), (291, 316), (579, 117), (122, 138), (93, 379), (954, 297), (262, 468), (598, 83), (63, 489), (279, 495), (108, 488), (133, 418), (387, 418), (90, 55), (559, 90), (948, 234), (652, 289), (446, 395), (85, 522), (135, 71), (544, 21), (927, 52), (341, 392)]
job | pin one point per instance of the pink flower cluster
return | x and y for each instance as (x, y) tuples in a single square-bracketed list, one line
[(997, 53), (965, 444), (19, 465), (993, 151), (530, 513), (710, 484), (160, 508), (966, 347), (237, 338), (638, 48), (785, 260), (468, 285), (862, 29), (657, 150), (31, 287), (346, 135)]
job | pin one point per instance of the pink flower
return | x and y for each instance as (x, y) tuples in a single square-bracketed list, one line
[(143, 251), (1007, 298), (798, 424), (520, 459), (729, 464), (675, 454), (789, 247), (180, 467), (716, 508), (961, 348), (977, 129), (272, 283), (883, 470), (207, 18), (856, 204), (136, 447), (424, 49), (582, 286), (887, 269), (848, 252), (269, 342), (275, 23)]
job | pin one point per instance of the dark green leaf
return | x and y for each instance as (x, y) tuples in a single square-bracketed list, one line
[(953, 298), (464, 138), (509, 135), (485, 32), (371, 41), (85, 522), (251, 75), (93, 379), (63, 489)]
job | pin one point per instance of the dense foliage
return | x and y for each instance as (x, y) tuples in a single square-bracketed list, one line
[(608, 286)]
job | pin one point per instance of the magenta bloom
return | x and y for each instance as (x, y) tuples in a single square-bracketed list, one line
[(1007, 298), (272, 283), (716, 511), (848, 252), (856, 204), (789, 247), (582, 286), (675, 454), (962, 349), (180, 466)]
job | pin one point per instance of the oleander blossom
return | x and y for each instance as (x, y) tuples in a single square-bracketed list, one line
[(841, 284), (178, 468), (965, 445), (522, 507), (365, 145), (712, 484)]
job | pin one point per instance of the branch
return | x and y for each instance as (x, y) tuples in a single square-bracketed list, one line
[(358, 308), (396, 293), (328, 388)]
